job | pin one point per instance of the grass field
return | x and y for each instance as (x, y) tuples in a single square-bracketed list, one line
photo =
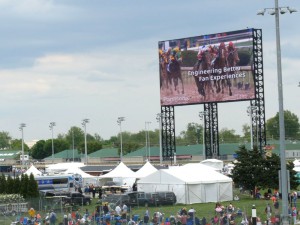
[(207, 210)]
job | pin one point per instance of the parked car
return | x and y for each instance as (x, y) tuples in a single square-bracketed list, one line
[(167, 198), (143, 199)]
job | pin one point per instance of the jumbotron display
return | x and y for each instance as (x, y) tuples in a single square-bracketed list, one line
[(209, 68)]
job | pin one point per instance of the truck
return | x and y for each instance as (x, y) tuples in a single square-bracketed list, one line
[(77, 198)]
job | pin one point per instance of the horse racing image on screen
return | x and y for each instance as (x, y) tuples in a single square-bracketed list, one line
[(208, 68)]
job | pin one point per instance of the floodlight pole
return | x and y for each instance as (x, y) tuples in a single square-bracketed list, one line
[(119, 121), (84, 122), (21, 128), (52, 124), (283, 171)]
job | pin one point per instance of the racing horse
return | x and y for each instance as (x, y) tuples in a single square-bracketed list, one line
[(220, 63), (174, 72), (202, 81), (232, 61), (170, 71), (165, 80)]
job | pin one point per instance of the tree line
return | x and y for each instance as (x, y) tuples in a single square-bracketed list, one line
[(74, 138), (24, 185)]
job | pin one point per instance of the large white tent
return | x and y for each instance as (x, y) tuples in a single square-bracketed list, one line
[(146, 170), (214, 163), (191, 183)]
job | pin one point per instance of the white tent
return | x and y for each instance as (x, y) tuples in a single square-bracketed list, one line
[(146, 170), (214, 163), (87, 179), (34, 171), (122, 174), (191, 183), (120, 171)]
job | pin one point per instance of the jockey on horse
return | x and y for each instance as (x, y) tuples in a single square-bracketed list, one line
[(200, 55), (174, 55)]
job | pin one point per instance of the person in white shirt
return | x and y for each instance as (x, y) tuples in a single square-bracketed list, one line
[(118, 210)]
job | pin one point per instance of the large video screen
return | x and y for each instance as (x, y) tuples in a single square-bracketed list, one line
[(209, 68)]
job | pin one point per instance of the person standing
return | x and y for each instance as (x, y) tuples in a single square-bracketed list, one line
[(118, 210), (276, 207), (52, 218), (268, 211), (124, 211), (294, 215), (105, 209)]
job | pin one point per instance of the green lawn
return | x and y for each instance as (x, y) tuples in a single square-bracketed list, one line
[(207, 210)]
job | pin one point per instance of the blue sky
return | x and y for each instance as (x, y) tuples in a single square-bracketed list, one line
[(66, 60)]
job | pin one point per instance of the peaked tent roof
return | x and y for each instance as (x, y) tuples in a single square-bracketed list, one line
[(34, 171), (183, 175), (214, 163), (146, 170), (121, 171)]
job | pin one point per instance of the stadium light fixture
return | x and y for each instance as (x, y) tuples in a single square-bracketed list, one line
[(283, 171), (261, 12)]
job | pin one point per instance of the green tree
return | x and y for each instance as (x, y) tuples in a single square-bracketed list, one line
[(9, 184), (92, 146), (254, 170), (192, 135), (58, 146), (291, 124), (24, 186), (76, 135), (33, 190), (17, 185), (228, 136), (5, 139), (16, 144), (38, 150), (246, 132), (2, 184), (248, 170)]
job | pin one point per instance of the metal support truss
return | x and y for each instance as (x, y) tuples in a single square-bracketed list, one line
[(168, 133), (258, 117), (211, 131)]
